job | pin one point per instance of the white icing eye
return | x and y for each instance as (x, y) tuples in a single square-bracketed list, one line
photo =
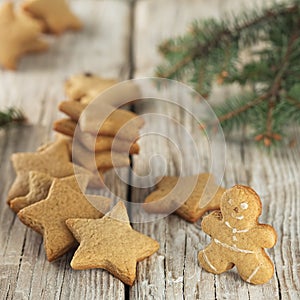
[(244, 205), (230, 201)]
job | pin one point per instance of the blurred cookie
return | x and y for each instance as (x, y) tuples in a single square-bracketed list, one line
[(56, 14), (85, 87), (19, 34)]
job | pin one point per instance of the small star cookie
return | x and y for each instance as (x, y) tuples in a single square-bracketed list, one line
[(200, 191), (54, 159), (39, 185), (48, 217), (237, 237), (55, 13), (19, 34), (110, 243), (85, 87)]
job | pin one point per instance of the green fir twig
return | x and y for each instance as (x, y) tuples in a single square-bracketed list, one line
[(11, 115), (211, 52)]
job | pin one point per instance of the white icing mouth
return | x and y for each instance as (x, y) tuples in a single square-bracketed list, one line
[(237, 217)]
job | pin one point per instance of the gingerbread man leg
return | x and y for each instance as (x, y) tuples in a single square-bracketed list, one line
[(211, 261), (256, 268)]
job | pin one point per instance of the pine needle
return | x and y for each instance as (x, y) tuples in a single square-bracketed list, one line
[(11, 115)]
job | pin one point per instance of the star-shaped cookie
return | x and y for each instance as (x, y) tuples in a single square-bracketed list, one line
[(48, 217), (53, 160), (189, 196), (55, 13), (39, 185), (85, 87), (110, 243), (19, 34)]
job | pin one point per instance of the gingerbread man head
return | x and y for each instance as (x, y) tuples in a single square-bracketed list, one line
[(241, 207)]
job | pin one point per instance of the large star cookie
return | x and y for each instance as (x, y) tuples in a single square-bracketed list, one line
[(48, 217), (189, 196), (19, 34), (110, 243), (53, 160), (55, 13), (39, 185)]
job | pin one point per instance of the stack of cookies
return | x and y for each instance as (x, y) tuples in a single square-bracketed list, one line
[(115, 140)]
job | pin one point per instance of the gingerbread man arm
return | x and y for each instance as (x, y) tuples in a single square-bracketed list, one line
[(265, 236), (210, 223)]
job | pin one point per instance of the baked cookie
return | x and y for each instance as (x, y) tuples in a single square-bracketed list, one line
[(110, 243), (48, 217), (54, 159), (98, 144), (56, 14), (19, 34), (112, 125), (200, 191), (237, 237), (102, 160), (85, 87), (39, 185)]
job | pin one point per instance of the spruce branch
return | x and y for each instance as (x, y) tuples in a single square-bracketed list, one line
[(11, 115), (211, 51)]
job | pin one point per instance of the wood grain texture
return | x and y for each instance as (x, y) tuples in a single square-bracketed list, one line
[(174, 272), (37, 87), (109, 46)]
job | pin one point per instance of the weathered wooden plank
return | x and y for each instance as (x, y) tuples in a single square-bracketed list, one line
[(102, 47), (156, 21), (37, 86), (173, 271), (167, 275)]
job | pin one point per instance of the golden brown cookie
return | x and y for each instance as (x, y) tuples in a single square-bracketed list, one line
[(103, 160), (48, 217), (238, 239), (201, 191), (111, 125), (85, 87), (110, 243), (98, 144), (19, 34), (56, 14), (53, 160), (39, 185)]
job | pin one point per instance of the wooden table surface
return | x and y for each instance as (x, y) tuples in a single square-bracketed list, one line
[(119, 40)]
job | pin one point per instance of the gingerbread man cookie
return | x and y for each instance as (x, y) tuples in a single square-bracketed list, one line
[(237, 237)]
